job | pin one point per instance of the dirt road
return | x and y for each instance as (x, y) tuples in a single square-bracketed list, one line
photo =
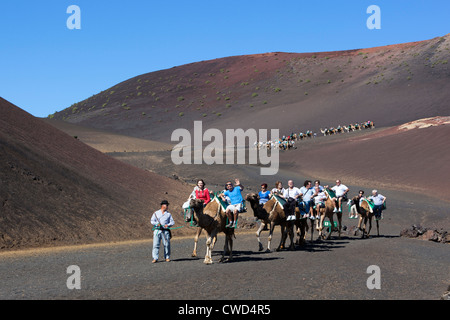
[(336, 269)]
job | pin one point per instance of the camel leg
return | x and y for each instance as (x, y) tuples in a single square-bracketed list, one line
[(272, 227), (370, 226), (320, 227), (359, 225), (225, 249), (298, 232), (339, 216), (364, 226), (303, 228), (258, 236), (229, 245), (210, 246), (378, 228), (291, 236), (197, 235), (331, 228), (208, 259), (283, 237), (213, 243)]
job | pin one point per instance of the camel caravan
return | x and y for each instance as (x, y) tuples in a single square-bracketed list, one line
[(296, 210), (288, 142)]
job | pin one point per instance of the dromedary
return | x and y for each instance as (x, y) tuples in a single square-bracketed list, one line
[(271, 214), (366, 214), (328, 212), (212, 218)]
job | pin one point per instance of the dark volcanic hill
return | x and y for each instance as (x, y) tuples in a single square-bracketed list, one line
[(389, 85), (56, 190)]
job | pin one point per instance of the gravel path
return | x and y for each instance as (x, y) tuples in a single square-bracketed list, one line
[(336, 269)]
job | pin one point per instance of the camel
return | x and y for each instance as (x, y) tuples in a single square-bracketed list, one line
[(366, 214), (301, 226), (271, 214), (328, 212), (212, 218)]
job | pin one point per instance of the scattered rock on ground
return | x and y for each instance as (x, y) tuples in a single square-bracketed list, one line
[(424, 233)]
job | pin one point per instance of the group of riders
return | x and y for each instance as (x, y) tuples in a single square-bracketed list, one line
[(288, 142), (309, 199)]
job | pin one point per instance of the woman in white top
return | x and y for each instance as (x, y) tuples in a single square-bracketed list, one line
[(278, 190)]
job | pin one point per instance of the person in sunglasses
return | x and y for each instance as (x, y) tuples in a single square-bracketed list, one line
[(236, 201)]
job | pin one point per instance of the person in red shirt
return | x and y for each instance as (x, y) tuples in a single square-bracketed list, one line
[(200, 192)]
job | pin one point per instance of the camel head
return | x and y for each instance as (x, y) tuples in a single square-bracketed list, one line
[(252, 198), (196, 204)]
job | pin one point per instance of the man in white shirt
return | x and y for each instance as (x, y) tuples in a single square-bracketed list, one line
[(291, 195), (307, 193), (341, 191), (378, 203), (162, 221)]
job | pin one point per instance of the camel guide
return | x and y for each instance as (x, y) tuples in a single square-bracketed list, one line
[(162, 221)]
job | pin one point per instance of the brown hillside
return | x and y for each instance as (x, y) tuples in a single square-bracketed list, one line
[(292, 91), (56, 190)]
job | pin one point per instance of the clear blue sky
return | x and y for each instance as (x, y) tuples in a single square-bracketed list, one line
[(45, 67)]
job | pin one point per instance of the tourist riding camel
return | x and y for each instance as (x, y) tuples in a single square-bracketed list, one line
[(291, 195), (319, 198), (307, 192), (341, 191), (200, 192), (264, 194), (236, 202), (378, 202), (278, 190), (354, 204)]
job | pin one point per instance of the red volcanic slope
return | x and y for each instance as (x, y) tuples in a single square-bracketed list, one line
[(291, 91), (56, 190)]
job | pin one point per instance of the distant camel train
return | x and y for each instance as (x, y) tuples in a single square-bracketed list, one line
[(288, 142)]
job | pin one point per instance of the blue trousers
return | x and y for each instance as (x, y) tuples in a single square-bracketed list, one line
[(159, 235), (305, 207), (377, 209)]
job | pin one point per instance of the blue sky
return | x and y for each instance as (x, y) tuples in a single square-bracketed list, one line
[(45, 67)]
